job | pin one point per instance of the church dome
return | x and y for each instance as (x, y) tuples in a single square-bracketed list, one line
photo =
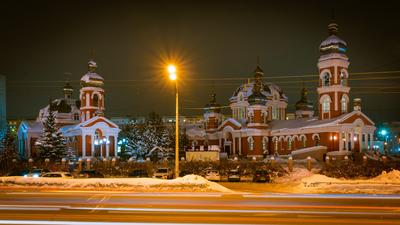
[(91, 78), (212, 106), (333, 44), (303, 104), (244, 91)]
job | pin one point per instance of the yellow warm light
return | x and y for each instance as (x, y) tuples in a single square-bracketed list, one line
[(171, 69), (172, 72), (172, 76)]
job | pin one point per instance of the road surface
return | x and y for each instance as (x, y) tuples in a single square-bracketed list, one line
[(215, 208)]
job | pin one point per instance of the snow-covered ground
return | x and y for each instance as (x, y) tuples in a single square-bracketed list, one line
[(303, 181), (191, 183)]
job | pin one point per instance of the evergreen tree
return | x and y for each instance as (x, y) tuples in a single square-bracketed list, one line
[(142, 138), (52, 143), (8, 152)]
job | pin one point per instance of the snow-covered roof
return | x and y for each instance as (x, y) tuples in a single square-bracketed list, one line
[(276, 125), (196, 132), (247, 89), (96, 118), (90, 76), (31, 125), (333, 39)]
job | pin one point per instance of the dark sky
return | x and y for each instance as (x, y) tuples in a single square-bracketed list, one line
[(215, 43)]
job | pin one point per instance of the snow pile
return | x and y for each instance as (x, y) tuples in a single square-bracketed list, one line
[(187, 183), (316, 179), (294, 177), (386, 183), (391, 177)]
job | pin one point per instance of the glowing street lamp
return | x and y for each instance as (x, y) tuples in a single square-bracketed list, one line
[(173, 77)]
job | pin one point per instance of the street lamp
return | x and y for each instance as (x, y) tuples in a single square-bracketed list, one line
[(172, 76)]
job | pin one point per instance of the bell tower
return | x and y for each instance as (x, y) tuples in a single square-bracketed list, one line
[(333, 90), (212, 114), (257, 109), (91, 93)]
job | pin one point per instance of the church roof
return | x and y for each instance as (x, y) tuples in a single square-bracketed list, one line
[(91, 78)]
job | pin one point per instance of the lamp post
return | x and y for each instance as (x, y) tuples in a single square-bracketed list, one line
[(173, 77)]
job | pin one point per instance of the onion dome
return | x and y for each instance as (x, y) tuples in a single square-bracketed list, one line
[(257, 97), (213, 106), (68, 90), (91, 78), (303, 104), (333, 44)]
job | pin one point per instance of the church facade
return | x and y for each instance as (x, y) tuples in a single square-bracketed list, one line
[(258, 126), (82, 122)]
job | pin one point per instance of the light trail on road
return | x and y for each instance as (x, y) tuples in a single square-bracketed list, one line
[(196, 208)]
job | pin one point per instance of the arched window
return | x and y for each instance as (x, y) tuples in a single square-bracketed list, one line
[(326, 79), (275, 113), (250, 141), (96, 100), (343, 102), (265, 144), (326, 104), (343, 79), (289, 143), (303, 140), (76, 116)]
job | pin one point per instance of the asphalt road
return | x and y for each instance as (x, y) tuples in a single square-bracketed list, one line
[(159, 208)]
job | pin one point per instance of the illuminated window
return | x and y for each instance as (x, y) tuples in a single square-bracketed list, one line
[(326, 79), (289, 143), (265, 144), (76, 116), (250, 141), (303, 139), (326, 104), (343, 80), (344, 104), (275, 113)]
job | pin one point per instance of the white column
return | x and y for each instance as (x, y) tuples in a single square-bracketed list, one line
[(83, 145), (352, 140), (87, 99), (115, 145), (371, 144), (346, 136), (340, 141), (107, 147)]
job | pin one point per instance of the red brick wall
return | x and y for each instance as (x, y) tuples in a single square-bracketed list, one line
[(88, 145)]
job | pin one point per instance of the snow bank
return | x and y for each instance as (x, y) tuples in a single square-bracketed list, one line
[(386, 183), (294, 177), (391, 177), (187, 183)]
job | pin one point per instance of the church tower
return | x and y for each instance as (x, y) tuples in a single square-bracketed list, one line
[(68, 90), (257, 109), (91, 93), (212, 114), (333, 90)]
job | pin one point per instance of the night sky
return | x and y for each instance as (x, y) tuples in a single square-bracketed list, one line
[(215, 44)]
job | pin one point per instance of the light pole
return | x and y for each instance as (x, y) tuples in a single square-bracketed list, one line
[(172, 76)]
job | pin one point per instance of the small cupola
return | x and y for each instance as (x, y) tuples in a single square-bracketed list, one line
[(91, 78)]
